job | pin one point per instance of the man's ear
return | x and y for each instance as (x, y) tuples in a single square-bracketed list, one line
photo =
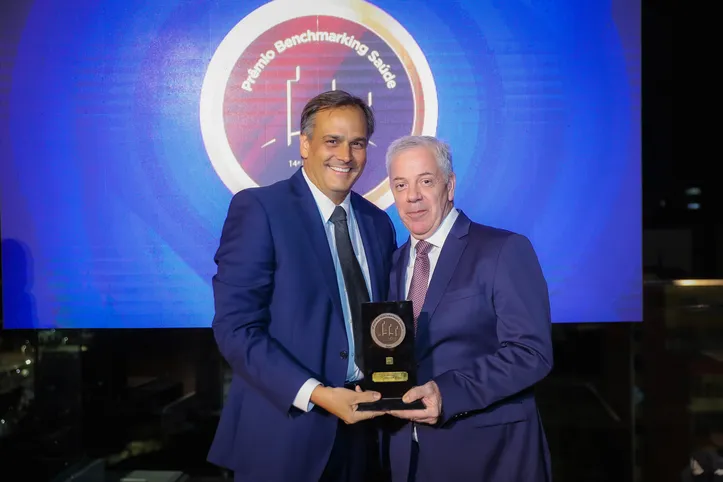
[(451, 184), (304, 145)]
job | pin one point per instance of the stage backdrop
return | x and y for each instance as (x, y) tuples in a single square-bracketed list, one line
[(128, 125)]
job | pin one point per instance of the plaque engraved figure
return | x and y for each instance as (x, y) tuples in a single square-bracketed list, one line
[(388, 330)]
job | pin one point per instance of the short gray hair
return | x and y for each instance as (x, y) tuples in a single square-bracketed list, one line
[(439, 149)]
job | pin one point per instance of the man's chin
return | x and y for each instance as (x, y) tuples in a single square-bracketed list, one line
[(340, 191), (418, 230), (343, 186)]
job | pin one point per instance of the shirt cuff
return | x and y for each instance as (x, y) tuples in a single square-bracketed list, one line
[(303, 397)]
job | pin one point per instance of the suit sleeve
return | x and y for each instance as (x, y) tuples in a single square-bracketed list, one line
[(524, 356), (243, 287)]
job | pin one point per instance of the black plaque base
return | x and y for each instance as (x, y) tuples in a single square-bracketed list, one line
[(386, 404), (388, 357)]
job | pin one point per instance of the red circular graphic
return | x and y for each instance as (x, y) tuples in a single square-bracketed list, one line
[(292, 62)]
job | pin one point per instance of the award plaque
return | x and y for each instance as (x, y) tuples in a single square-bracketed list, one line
[(390, 366)]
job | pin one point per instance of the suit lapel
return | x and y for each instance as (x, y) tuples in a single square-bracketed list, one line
[(371, 247), (309, 214), (400, 268), (449, 257)]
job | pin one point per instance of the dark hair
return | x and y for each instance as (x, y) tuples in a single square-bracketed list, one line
[(334, 99)]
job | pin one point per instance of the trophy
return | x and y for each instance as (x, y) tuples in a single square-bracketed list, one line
[(388, 357)]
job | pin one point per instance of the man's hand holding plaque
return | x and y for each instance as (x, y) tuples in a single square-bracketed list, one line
[(390, 365), (430, 397)]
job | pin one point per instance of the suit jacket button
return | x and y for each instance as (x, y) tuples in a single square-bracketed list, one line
[(344, 354)]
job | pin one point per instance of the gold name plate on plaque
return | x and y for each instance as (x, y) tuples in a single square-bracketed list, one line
[(385, 377)]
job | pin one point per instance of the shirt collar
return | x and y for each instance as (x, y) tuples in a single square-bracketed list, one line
[(326, 206), (440, 235)]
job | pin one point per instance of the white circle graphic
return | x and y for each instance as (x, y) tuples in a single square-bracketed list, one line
[(243, 34)]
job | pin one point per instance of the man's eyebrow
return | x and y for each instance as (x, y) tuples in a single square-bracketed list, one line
[(337, 137), (426, 173)]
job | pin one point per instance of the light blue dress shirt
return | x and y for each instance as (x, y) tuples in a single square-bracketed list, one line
[(326, 208)]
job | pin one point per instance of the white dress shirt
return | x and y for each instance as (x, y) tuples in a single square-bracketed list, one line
[(326, 208), (437, 241)]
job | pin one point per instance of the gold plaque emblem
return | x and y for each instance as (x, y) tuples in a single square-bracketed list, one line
[(388, 330), (389, 377)]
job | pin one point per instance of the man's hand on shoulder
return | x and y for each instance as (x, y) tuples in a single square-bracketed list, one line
[(430, 395), (343, 402)]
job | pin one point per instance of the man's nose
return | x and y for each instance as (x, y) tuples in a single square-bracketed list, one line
[(344, 153), (413, 194)]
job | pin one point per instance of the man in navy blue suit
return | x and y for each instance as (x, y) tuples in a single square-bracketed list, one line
[(483, 340), (295, 262)]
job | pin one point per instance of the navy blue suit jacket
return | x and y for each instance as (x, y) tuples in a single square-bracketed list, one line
[(484, 336), (279, 321)]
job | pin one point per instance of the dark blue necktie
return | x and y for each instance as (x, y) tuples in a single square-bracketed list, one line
[(356, 287)]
